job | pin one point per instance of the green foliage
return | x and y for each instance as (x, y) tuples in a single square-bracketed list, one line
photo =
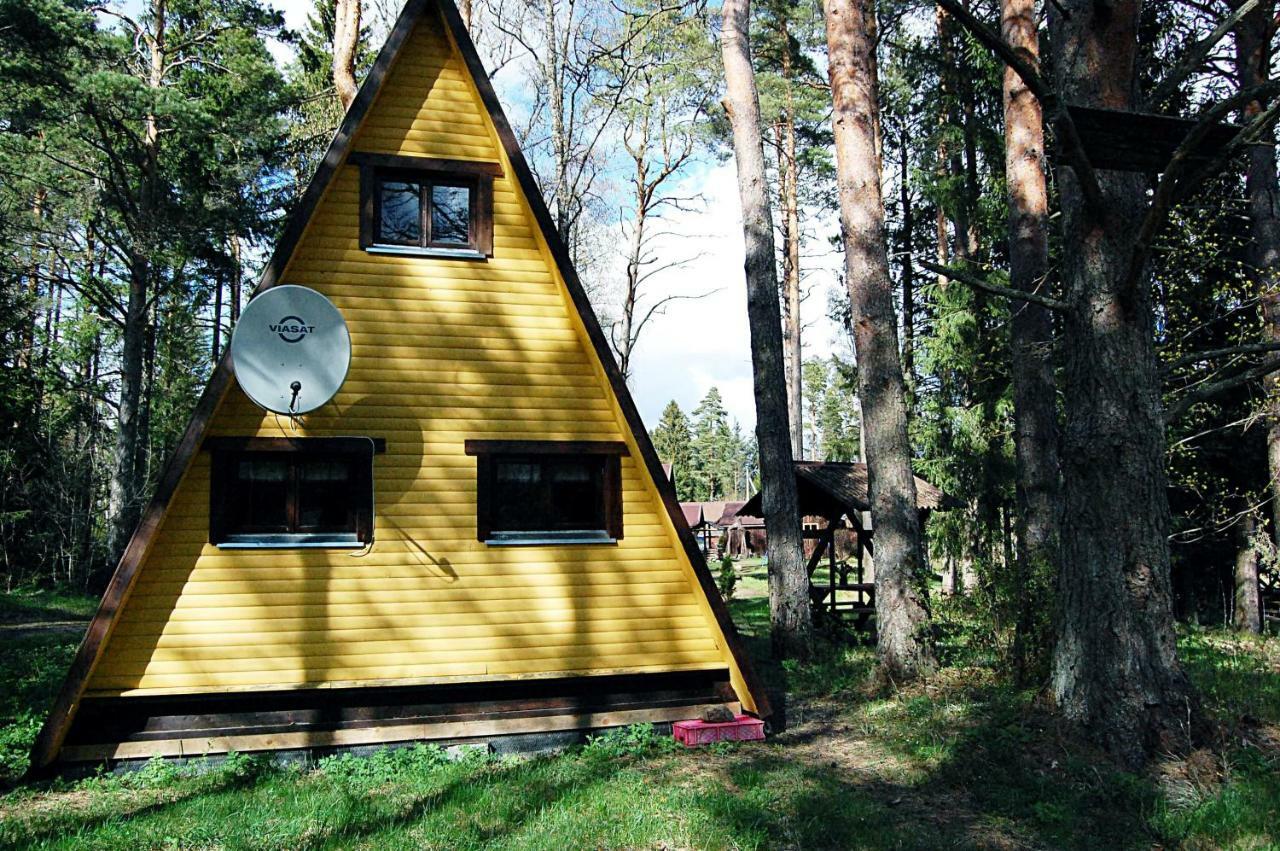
[(726, 578), (119, 177), (385, 765), (637, 740), (711, 457), (721, 459), (32, 668), (831, 427), (672, 440)]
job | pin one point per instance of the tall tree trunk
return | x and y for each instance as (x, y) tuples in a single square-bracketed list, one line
[(906, 244), (1253, 66), (125, 488), (635, 257), (237, 278), (216, 347), (26, 354), (1246, 613), (1034, 392), (464, 9), (789, 605), (1115, 666), (346, 40), (556, 56), (902, 602), (953, 156), (791, 334)]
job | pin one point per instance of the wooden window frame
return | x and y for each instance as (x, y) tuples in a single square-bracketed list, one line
[(227, 451), (474, 175), (609, 453)]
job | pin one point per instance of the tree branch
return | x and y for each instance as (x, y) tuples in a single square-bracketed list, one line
[(1215, 354), (1207, 391), (1198, 53), (1173, 185), (976, 282), (1068, 136)]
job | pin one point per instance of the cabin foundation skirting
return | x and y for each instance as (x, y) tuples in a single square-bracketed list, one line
[(124, 728)]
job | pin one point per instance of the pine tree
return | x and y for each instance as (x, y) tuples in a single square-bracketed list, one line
[(672, 439)]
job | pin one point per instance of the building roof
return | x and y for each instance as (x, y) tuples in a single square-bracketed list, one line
[(824, 487), (733, 514), (692, 513)]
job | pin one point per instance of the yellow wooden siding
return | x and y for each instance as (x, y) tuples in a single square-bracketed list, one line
[(443, 351)]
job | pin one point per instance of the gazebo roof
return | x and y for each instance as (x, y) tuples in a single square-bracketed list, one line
[(827, 487)]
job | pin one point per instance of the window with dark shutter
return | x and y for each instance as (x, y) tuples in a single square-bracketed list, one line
[(548, 492), (291, 492)]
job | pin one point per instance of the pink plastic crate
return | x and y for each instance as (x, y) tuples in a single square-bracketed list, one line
[(744, 728)]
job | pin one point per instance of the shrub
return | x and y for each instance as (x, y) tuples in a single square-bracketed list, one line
[(727, 579), (635, 740), (383, 765)]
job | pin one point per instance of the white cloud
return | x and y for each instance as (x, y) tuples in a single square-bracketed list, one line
[(702, 343)]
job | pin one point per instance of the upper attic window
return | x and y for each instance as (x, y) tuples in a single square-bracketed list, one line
[(426, 207)]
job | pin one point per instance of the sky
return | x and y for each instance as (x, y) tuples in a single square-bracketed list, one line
[(694, 344)]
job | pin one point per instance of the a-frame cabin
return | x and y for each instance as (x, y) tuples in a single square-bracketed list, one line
[(473, 539)]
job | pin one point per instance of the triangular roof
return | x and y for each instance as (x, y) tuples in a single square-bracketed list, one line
[(117, 592), (824, 485)]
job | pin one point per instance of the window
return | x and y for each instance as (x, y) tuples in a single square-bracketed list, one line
[(291, 492), (548, 492), (423, 206)]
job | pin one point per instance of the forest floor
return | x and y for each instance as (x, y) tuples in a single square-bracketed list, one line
[(964, 761)]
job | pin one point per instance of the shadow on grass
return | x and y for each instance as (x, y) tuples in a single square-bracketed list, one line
[(1235, 676), (993, 769), (119, 799), (18, 608)]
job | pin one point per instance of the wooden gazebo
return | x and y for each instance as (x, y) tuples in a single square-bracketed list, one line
[(836, 491)]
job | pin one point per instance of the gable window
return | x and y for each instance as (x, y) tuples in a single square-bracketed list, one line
[(548, 492), (291, 492), (425, 206)]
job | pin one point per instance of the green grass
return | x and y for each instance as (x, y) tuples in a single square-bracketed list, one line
[(963, 761), (28, 606), (753, 578)]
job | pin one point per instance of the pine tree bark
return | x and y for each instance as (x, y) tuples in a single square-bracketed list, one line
[(902, 605), (789, 605), (1034, 391), (906, 245), (1253, 65), (215, 348), (237, 278), (1246, 614), (346, 40), (789, 166), (953, 156), (1115, 666), (126, 481)]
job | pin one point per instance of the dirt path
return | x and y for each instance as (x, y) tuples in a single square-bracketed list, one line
[(22, 630)]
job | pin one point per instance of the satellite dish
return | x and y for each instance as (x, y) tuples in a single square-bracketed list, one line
[(291, 349)]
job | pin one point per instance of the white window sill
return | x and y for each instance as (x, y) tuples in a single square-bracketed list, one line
[(291, 542), (547, 539), (416, 251)]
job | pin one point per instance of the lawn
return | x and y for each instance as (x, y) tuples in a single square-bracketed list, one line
[(961, 762)]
